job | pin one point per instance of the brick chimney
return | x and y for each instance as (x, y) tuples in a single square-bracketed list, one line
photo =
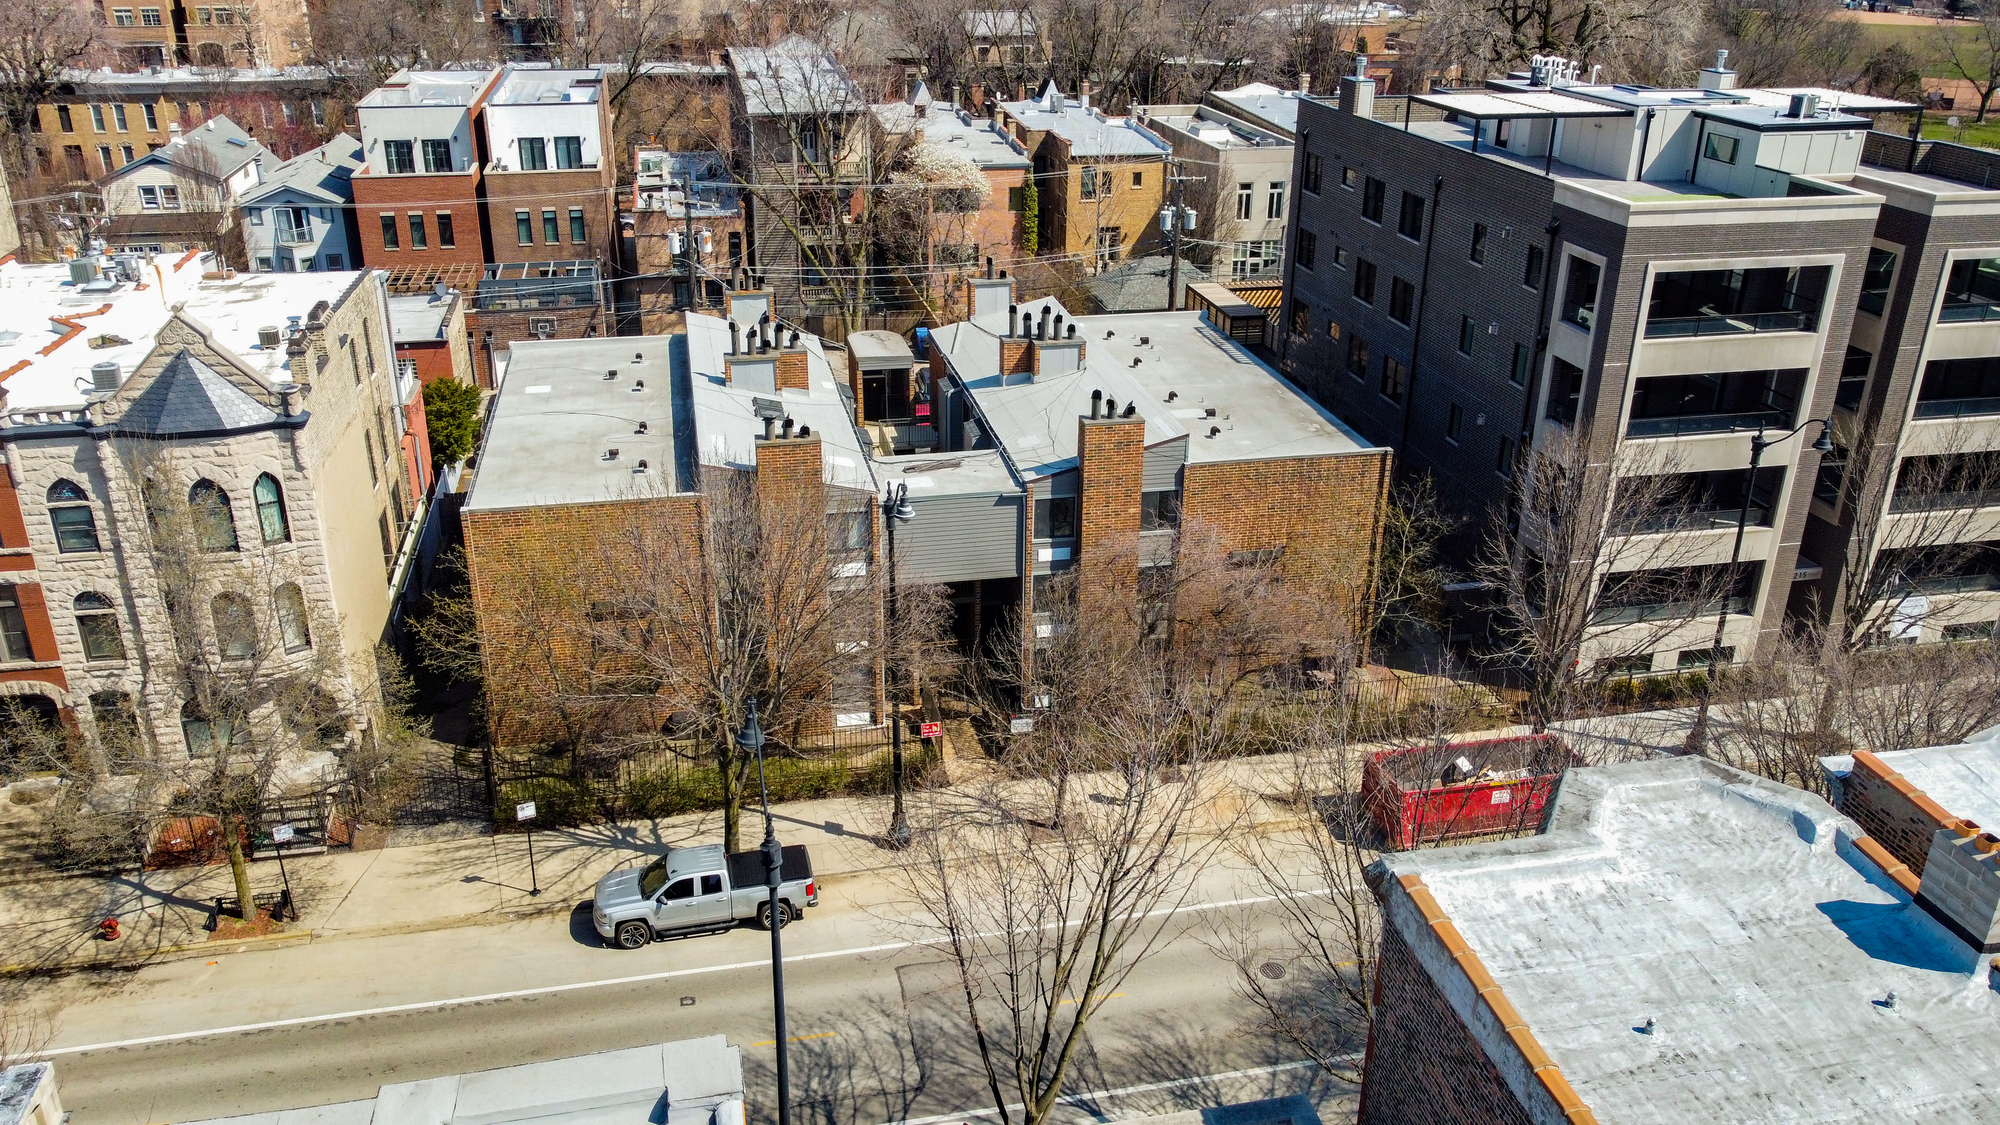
[(1961, 884), (792, 372), (1110, 453), (791, 475)]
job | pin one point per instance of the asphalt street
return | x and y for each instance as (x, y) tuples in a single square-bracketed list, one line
[(877, 1039)]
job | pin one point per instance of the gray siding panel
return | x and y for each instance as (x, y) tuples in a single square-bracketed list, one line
[(960, 539), (1162, 471)]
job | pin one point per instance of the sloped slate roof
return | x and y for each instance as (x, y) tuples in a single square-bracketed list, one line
[(188, 397)]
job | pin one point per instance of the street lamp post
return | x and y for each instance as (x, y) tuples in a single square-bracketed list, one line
[(751, 738), (896, 509), (1697, 736)]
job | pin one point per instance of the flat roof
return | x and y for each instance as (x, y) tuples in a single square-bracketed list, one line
[(953, 130), (1265, 103), (1737, 914), (547, 87), (418, 317), (1964, 779), (1257, 413), (427, 88), (130, 316), (930, 476), (1086, 129), (1215, 128), (1541, 104), (558, 418)]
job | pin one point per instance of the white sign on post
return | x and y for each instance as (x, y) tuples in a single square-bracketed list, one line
[(283, 834), (524, 811)]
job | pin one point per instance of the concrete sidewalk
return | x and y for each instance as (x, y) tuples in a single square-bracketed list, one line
[(460, 875)]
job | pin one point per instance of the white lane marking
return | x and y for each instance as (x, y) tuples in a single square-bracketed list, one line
[(1122, 1091), (546, 990)]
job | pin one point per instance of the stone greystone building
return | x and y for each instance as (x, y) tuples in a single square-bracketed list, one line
[(297, 434)]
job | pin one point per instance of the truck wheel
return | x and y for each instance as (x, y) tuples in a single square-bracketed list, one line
[(634, 935), (764, 916)]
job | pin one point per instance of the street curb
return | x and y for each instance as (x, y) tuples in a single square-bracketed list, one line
[(124, 960)]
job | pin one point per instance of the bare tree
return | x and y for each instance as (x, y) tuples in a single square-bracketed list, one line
[(1040, 925), (1973, 52), (39, 40), (742, 595), (1638, 40), (1600, 568), (371, 39), (1779, 42)]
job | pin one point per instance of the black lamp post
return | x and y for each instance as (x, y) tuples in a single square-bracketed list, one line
[(751, 738), (1697, 736), (896, 509)]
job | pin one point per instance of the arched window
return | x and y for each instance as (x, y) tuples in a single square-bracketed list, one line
[(271, 510), (76, 525), (214, 526), (97, 624), (235, 626), (205, 737), (292, 625)]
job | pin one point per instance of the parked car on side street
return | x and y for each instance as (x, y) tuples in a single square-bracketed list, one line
[(699, 888)]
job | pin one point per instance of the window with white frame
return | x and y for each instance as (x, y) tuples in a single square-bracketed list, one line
[(1255, 257)]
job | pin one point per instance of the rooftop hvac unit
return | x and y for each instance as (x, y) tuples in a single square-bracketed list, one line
[(104, 376), (82, 271), (268, 336)]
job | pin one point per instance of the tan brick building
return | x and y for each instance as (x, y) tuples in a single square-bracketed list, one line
[(1102, 180), (1093, 442), (583, 454)]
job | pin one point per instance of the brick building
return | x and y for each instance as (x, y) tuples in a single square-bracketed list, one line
[(172, 33), (532, 301), (1661, 275), (430, 335), (550, 181), (1926, 807), (1059, 441), (677, 196), (939, 138), (271, 398), (594, 439), (417, 199), (1101, 180), (1684, 942)]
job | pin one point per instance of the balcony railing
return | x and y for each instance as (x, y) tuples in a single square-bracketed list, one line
[(294, 236), (1953, 584), (1944, 501), (1701, 519), (1668, 611), (1735, 324), (1683, 424), (1965, 311), (1956, 407)]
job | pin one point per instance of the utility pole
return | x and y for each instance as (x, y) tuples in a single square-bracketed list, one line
[(693, 258), (1175, 216)]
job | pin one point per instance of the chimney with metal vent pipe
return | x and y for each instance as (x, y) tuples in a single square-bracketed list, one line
[(1013, 320), (1096, 404), (787, 432)]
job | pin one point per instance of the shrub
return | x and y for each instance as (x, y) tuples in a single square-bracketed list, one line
[(451, 413), (1621, 692), (559, 801)]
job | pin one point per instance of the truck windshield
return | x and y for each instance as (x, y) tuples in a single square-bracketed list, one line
[(653, 878)]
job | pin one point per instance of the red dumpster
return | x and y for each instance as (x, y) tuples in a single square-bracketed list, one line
[(1427, 794)]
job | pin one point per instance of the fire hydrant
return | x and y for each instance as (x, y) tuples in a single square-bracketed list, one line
[(108, 929)]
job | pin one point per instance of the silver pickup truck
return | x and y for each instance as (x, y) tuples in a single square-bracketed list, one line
[(698, 888)]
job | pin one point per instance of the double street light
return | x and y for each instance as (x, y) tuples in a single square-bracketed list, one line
[(1697, 736), (895, 510)]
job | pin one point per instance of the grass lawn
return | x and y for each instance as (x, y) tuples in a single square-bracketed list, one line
[(1922, 41), (1983, 136)]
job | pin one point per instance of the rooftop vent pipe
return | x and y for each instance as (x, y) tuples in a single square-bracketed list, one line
[(1058, 326), (1013, 320), (1131, 410), (770, 428), (638, 357), (735, 338), (1042, 328), (805, 431), (1096, 404), (610, 375), (795, 339), (787, 432), (1214, 430), (1072, 330)]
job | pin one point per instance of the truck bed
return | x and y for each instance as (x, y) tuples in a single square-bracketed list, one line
[(746, 869)]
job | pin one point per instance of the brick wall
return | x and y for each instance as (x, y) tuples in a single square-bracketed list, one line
[(589, 190), (433, 359), (491, 331), (532, 570), (429, 194), (791, 473), (1110, 463), (792, 372), (1424, 1068), (1325, 512), (1897, 814)]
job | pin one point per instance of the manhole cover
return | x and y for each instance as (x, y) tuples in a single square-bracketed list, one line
[(1271, 970)]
